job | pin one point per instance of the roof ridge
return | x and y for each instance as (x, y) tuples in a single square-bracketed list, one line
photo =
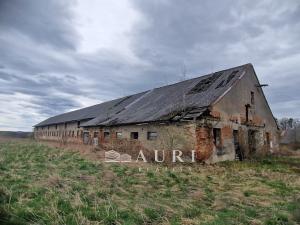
[(206, 75)]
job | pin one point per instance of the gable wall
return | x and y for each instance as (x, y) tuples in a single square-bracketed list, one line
[(232, 105), (231, 108)]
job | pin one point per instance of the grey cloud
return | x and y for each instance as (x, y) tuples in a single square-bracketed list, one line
[(47, 92), (47, 22), (203, 33), (19, 52), (39, 84), (52, 105), (38, 43), (211, 35)]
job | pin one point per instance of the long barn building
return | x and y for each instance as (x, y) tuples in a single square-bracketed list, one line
[(222, 116)]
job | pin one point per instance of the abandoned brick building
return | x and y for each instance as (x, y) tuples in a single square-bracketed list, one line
[(222, 116)]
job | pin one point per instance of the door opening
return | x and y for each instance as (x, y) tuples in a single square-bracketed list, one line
[(251, 141), (238, 152)]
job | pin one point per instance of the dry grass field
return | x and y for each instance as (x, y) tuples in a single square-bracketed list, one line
[(46, 185)]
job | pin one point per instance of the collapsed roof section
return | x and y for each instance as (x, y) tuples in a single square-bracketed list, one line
[(184, 100)]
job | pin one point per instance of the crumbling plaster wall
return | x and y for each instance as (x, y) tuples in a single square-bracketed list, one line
[(177, 136), (169, 136), (69, 133), (205, 147)]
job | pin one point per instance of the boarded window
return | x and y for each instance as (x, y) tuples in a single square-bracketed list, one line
[(95, 134), (134, 135), (106, 135), (205, 83), (119, 135), (152, 135)]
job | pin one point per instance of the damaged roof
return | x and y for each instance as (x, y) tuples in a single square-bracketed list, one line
[(186, 99)]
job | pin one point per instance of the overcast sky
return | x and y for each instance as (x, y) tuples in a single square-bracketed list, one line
[(60, 55)]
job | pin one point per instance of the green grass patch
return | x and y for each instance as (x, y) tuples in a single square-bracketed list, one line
[(44, 185)]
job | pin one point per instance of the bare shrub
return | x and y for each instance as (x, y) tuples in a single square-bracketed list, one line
[(170, 138), (286, 150), (173, 138)]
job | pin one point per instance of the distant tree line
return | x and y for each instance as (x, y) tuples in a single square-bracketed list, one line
[(16, 134), (291, 130), (288, 123)]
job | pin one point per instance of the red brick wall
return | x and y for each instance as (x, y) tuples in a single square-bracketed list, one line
[(226, 132), (204, 143)]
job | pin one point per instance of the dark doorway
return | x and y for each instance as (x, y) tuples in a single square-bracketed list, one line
[(251, 141), (218, 141), (238, 152)]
